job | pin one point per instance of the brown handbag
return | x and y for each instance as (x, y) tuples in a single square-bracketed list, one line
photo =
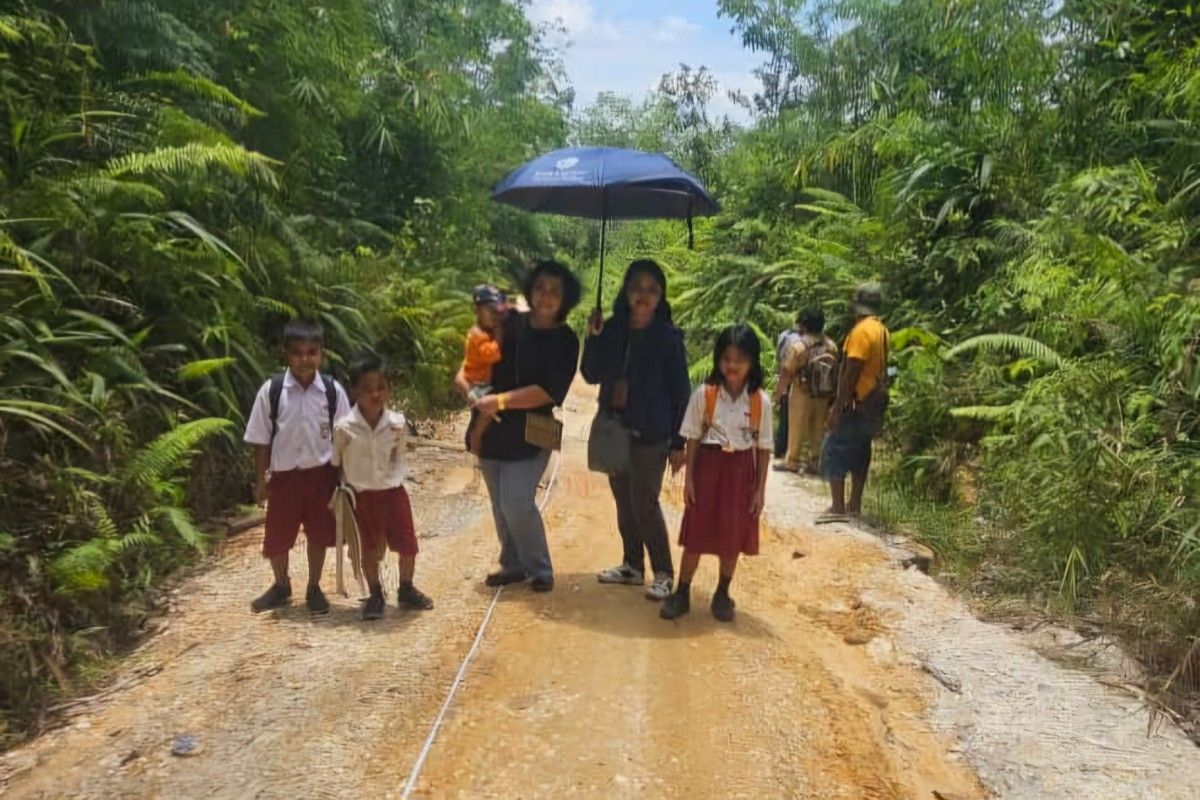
[(542, 428)]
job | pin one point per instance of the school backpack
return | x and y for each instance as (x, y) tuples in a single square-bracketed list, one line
[(276, 391), (710, 408), (821, 371)]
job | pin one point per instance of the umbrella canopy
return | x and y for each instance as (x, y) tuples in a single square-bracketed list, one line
[(606, 183)]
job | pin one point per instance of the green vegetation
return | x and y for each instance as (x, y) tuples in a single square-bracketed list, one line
[(179, 178), (1022, 175)]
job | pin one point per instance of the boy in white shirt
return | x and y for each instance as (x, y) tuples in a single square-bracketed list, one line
[(291, 428), (369, 445)]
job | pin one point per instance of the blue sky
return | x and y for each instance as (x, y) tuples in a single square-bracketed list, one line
[(624, 46)]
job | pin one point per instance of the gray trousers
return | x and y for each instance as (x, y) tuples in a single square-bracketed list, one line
[(512, 487), (639, 513)]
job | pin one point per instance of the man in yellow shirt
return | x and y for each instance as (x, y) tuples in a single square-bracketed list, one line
[(856, 414)]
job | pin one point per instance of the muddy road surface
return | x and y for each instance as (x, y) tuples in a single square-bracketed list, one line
[(845, 675)]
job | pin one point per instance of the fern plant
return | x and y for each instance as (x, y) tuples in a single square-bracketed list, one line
[(1011, 343)]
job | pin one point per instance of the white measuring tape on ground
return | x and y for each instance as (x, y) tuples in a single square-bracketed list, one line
[(411, 783)]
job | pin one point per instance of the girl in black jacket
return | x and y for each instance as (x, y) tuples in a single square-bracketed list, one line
[(638, 359)]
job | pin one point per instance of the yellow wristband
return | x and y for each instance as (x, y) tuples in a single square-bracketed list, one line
[(502, 401)]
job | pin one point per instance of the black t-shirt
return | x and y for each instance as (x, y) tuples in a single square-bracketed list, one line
[(545, 357)]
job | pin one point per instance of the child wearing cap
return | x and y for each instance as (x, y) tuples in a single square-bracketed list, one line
[(482, 354)]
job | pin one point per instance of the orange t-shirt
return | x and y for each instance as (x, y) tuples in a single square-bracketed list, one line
[(483, 352), (867, 342)]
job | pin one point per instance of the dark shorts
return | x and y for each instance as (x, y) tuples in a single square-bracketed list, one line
[(299, 497), (847, 448)]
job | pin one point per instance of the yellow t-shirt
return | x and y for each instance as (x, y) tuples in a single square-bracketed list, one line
[(868, 343)]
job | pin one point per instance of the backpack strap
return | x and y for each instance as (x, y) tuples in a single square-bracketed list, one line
[(331, 398), (276, 392), (273, 395), (710, 408)]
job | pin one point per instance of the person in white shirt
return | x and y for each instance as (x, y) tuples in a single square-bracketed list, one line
[(369, 445), (728, 430), (291, 428)]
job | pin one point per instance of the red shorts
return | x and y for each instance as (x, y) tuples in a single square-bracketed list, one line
[(299, 497), (386, 516)]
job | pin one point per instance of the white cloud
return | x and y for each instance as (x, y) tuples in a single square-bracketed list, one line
[(744, 83), (574, 15), (628, 54), (672, 28)]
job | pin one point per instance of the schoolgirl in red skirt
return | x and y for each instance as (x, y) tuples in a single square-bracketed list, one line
[(369, 445), (728, 432)]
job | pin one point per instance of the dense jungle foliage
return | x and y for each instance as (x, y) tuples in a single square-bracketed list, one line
[(179, 178), (1023, 176)]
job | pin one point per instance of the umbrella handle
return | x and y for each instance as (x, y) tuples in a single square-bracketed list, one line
[(600, 282)]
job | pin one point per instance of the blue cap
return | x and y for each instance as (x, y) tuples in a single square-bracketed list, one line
[(488, 295)]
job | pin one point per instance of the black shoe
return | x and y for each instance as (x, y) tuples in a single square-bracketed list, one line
[(676, 606), (542, 583), (315, 600), (722, 607), (374, 607), (503, 578), (409, 596), (274, 597)]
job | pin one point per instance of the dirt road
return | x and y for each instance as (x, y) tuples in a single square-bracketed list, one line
[(822, 688)]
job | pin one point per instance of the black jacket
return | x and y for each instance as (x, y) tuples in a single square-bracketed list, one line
[(659, 388)]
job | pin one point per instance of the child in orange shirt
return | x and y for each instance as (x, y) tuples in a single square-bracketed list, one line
[(483, 353)]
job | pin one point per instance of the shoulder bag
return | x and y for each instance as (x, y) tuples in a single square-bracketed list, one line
[(608, 439)]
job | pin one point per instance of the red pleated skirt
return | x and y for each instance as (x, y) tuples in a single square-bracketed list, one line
[(720, 523)]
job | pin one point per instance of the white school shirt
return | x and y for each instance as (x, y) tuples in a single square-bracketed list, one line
[(304, 439), (731, 421), (372, 459)]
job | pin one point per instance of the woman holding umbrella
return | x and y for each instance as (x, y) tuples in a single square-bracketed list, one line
[(638, 359), (538, 359)]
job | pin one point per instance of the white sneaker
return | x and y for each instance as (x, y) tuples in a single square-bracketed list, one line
[(660, 588), (624, 574)]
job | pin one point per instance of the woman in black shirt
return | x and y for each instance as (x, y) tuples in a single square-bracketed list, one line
[(539, 354)]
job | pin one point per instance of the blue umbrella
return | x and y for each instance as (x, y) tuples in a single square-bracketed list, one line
[(606, 183)]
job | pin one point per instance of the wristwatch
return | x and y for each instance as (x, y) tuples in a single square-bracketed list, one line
[(502, 401)]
